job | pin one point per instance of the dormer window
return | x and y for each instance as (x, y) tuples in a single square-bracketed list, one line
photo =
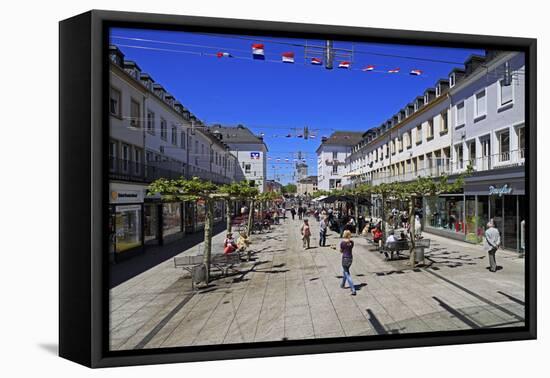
[(426, 99), (452, 80), (416, 106), (438, 90)]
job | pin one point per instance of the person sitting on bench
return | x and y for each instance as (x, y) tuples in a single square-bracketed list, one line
[(377, 233), (229, 245), (391, 240)]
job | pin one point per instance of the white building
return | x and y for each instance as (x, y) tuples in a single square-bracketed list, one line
[(153, 136), (250, 151), (331, 159), (475, 117)]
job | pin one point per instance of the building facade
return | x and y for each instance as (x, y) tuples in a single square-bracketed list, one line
[(250, 151), (332, 157), (474, 118), (152, 136), (307, 186), (273, 186)]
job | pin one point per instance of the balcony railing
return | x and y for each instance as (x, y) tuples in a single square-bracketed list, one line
[(120, 169), (440, 166)]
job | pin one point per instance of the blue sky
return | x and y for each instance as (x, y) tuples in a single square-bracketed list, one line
[(274, 98)]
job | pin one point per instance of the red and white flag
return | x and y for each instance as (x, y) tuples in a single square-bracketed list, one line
[(368, 68), (344, 65), (316, 61), (258, 51), (416, 72), (395, 70), (223, 54), (288, 57)]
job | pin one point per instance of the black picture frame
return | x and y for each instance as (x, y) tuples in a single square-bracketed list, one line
[(83, 276)]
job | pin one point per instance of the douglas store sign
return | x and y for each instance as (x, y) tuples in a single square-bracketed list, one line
[(500, 191)]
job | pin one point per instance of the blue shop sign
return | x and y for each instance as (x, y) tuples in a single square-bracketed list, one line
[(503, 190)]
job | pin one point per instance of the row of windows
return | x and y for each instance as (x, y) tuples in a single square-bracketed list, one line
[(128, 154), (478, 153), (407, 139), (505, 97), (135, 109)]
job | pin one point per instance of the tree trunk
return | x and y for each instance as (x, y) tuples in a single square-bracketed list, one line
[(228, 204), (411, 232), (250, 217), (208, 238), (384, 216), (356, 209), (262, 206)]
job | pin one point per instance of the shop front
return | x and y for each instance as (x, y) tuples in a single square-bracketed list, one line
[(172, 221), (504, 203), (465, 216), (126, 219), (445, 215)]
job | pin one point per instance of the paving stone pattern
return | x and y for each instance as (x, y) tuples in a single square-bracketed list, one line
[(286, 293)]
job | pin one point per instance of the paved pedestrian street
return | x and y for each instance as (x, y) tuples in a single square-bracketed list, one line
[(286, 292)]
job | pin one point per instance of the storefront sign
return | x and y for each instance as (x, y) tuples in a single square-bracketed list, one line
[(496, 191), (123, 193)]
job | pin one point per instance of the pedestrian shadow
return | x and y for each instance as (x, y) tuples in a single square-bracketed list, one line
[(360, 286)]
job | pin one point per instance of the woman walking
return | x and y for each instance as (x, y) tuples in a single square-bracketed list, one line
[(305, 230), (346, 247)]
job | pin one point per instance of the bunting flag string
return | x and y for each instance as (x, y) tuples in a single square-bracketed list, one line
[(258, 53)]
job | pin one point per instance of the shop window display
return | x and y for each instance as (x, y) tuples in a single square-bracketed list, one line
[(127, 227), (446, 213), (472, 221), (200, 213), (151, 223), (171, 218)]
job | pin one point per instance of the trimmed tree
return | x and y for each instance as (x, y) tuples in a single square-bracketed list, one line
[(194, 189), (237, 191)]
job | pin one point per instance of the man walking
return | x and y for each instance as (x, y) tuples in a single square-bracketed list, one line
[(322, 232), (491, 244)]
